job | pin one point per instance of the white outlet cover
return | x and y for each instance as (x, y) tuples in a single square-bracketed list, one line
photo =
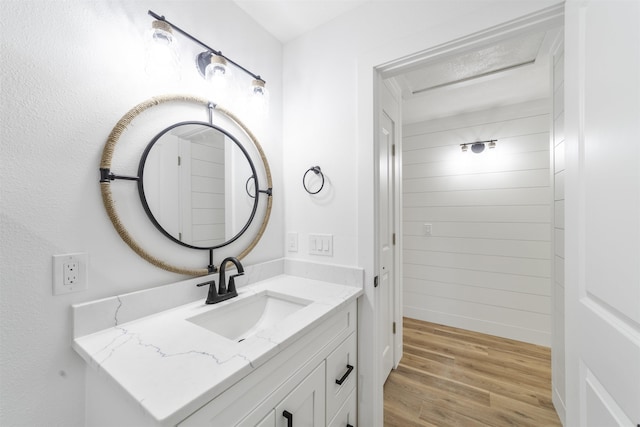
[(292, 242), (80, 284)]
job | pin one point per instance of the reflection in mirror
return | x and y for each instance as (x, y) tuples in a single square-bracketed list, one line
[(193, 185)]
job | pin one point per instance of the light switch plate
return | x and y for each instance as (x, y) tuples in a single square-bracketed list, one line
[(321, 244)]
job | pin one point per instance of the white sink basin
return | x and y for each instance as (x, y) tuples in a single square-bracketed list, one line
[(243, 317)]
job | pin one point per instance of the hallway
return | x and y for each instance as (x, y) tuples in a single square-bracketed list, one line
[(454, 377)]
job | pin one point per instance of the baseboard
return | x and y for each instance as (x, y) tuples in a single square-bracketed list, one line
[(479, 325), (558, 404)]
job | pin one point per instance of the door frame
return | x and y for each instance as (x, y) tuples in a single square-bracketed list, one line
[(545, 19), (374, 65)]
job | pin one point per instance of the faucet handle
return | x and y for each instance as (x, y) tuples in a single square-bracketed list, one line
[(232, 282), (212, 296)]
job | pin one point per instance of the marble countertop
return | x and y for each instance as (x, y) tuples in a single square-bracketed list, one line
[(167, 363)]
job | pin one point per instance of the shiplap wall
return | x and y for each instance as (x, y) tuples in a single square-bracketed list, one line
[(486, 265), (557, 365)]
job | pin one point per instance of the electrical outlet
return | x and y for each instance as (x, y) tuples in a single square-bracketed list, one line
[(69, 273), (292, 242)]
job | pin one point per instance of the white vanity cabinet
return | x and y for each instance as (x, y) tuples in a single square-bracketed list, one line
[(162, 369), (301, 380)]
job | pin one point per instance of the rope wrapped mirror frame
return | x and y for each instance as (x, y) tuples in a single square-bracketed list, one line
[(107, 177)]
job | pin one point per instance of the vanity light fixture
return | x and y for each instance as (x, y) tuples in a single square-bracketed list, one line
[(478, 146), (211, 63)]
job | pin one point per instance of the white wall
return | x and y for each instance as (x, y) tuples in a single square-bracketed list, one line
[(70, 70), (558, 289), (329, 121), (486, 265)]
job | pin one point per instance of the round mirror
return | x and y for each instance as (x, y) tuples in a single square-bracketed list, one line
[(192, 184), (197, 182)]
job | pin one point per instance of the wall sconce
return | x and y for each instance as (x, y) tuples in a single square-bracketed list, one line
[(212, 64), (478, 146)]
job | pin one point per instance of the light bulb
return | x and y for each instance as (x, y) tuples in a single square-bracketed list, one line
[(162, 52)]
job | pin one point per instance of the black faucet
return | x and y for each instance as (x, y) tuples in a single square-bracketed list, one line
[(223, 292)]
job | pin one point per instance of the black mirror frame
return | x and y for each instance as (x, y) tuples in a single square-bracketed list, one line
[(143, 197)]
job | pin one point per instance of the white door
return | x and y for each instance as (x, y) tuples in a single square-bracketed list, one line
[(385, 242), (602, 106)]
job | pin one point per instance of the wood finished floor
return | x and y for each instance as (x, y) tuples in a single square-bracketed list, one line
[(454, 377)]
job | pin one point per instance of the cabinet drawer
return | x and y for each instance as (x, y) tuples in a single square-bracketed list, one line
[(346, 416), (341, 368)]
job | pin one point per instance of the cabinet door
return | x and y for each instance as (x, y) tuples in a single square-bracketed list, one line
[(268, 421), (346, 416), (305, 405), (341, 374)]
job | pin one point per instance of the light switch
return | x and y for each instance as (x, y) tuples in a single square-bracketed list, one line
[(321, 244)]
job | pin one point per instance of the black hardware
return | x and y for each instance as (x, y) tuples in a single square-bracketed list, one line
[(209, 49), (211, 268), (246, 187), (375, 282), (289, 416), (317, 171), (268, 191), (478, 146), (346, 374), (349, 425), (223, 292), (214, 296), (107, 176), (232, 282)]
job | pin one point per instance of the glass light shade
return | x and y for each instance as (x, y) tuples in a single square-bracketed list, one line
[(162, 60), (477, 147), (258, 97), (219, 75), (218, 69)]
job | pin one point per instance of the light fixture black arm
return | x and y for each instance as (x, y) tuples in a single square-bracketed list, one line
[(216, 52)]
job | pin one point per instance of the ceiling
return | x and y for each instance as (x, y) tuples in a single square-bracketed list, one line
[(504, 73), (507, 72), (288, 19)]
